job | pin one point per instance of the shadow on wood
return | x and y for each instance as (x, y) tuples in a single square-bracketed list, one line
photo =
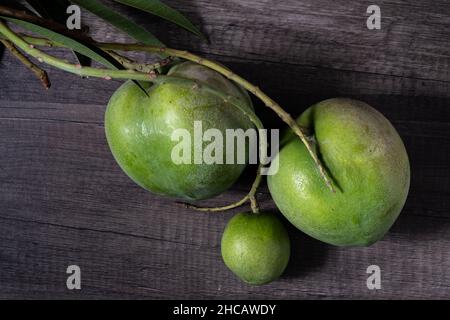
[(307, 254)]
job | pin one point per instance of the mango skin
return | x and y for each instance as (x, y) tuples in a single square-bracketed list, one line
[(256, 247), (139, 128), (368, 162)]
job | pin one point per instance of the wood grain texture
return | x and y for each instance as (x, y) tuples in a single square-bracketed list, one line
[(64, 200)]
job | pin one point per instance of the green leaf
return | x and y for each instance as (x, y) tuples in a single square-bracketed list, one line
[(79, 46), (56, 10), (120, 22), (162, 10)]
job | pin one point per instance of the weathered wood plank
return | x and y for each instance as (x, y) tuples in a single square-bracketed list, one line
[(329, 34), (317, 44), (63, 199), (59, 180), (124, 266)]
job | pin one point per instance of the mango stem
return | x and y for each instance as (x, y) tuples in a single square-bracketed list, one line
[(151, 77), (134, 73), (129, 64), (40, 73), (251, 196), (269, 102)]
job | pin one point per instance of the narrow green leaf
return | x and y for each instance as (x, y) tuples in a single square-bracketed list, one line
[(120, 22), (162, 10), (86, 49), (56, 10)]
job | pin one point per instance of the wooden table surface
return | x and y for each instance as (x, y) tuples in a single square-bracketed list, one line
[(64, 201)]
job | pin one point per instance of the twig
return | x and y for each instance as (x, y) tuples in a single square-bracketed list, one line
[(152, 77), (141, 67), (251, 196), (40, 74), (286, 117), (216, 209), (72, 68), (269, 102)]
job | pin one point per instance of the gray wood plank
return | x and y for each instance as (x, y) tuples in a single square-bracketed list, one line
[(318, 43), (59, 180), (64, 200), (323, 33), (125, 266)]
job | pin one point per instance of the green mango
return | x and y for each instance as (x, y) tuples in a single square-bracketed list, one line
[(255, 247), (369, 166), (139, 130)]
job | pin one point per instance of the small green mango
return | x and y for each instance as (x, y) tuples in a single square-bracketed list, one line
[(255, 247)]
